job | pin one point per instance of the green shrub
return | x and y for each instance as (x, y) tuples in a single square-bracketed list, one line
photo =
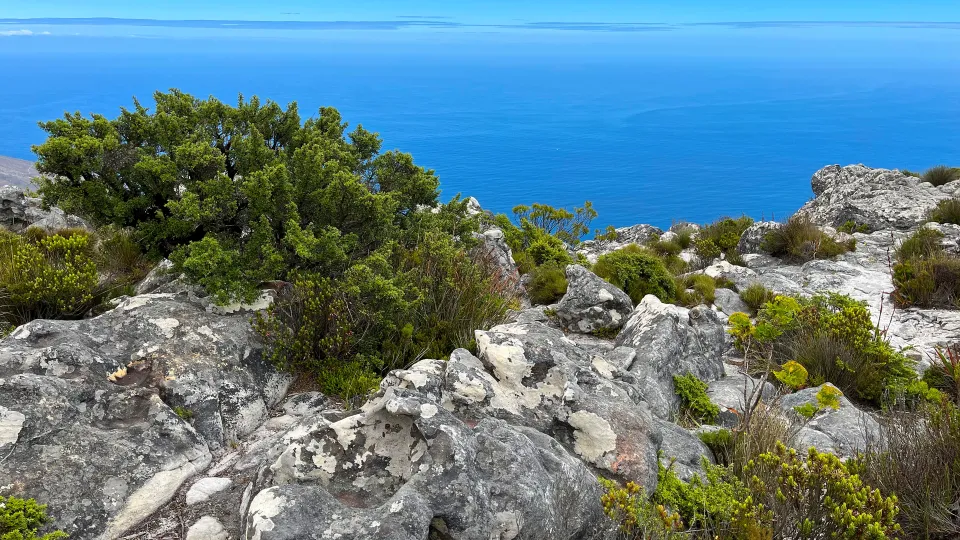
[(696, 289), (910, 173), (944, 372), (917, 457), (721, 237), (561, 223), (940, 175), (833, 337), (22, 519), (548, 284), (685, 234), (694, 402), (816, 497), (850, 226), (946, 211), (756, 295), (52, 277), (670, 248), (924, 274), (636, 517), (800, 239), (637, 272)]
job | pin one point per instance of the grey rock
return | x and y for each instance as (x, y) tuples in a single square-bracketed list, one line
[(878, 198), (18, 212), (741, 276), (161, 274), (592, 304), (752, 239), (207, 528), (683, 450), (99, 441), (495, 252), (844, 431), (733, 394), (671, 340), (405, 466), (636, 234), (729, 302), (205, 488)]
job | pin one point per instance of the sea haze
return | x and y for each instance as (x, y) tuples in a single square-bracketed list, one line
[(674, 123)]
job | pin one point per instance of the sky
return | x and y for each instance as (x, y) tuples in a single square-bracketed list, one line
[(496, 11)]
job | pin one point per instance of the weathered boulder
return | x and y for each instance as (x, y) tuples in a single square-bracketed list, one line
[(592, 304), (635, 234), (741, 276), (18, 212), (683, 450), (752, 239), (878, 198), (405, 467), (844, 431), (106, 418), (498, 256), (729, 302), (734, 393), (671, 340)]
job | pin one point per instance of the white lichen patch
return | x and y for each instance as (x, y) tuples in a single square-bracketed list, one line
[(593, 436), (604, 295), (428, 410), (11, 423), (507, 359), (167, 326), (263, 508), (346, 429)]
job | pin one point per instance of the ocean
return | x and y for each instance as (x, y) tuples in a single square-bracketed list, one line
[(653, 130)]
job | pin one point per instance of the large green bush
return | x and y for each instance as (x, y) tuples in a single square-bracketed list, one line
[(833, 337), (23, 519), (548, 284), (637, 272), (237, 196)]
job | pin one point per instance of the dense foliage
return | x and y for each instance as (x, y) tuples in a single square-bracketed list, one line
[(23, 519), (940, 175), (236, 196), (694, 402), (63, 275), (924, 274), (946, 211), (833, 337), (637, 272), (799, 239), (721, 238)]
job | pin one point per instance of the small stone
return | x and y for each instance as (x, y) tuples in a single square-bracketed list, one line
[(206, 488), (207, 528)]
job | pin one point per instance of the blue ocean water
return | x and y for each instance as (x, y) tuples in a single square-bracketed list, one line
[(647, 137)]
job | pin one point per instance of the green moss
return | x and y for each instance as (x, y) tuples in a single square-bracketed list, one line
[(850, 226), (637, 272), (694, 402), (183, 412)]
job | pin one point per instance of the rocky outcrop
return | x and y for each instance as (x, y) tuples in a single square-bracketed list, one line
[(636, 234), (498, 256), (878, 198), (106, 418), (18, 212), (751, 241), (671, 340), (591, 304), (844, 431)]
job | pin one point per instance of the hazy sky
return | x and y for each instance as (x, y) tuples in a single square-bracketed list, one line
[(499, 11)]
